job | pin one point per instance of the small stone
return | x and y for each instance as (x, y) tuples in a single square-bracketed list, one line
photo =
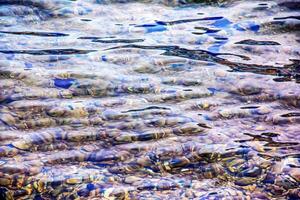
[(131, 179), (22, 144), (7, 119), (74, 180), (260, 128)]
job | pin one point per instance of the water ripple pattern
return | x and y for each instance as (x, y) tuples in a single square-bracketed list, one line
[(150, 99)]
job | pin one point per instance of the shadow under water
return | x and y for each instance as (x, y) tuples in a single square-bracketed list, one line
[(150, 99)]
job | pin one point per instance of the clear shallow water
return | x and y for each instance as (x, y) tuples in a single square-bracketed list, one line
[(149, 100)]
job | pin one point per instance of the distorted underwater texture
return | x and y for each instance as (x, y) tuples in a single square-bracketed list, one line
[(153, 99)]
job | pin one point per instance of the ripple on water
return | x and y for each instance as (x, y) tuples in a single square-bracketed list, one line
[(149, 99)]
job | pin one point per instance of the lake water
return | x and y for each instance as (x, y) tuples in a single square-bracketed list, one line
[(149, 99)]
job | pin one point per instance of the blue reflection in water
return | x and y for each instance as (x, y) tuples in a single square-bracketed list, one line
[(64, 83)]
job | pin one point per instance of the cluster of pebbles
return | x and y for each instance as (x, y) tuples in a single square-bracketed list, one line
[(149, 101)]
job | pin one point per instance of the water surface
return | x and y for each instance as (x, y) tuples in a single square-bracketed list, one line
[(149, 99)]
